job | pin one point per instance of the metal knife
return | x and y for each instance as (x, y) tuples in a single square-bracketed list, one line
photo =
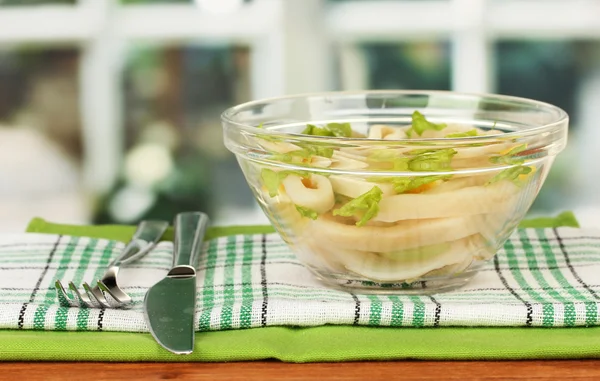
[(170, 305)]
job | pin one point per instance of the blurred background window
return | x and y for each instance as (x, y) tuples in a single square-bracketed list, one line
[(110, 109)]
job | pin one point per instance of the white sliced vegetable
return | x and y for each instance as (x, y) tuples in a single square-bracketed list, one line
[(448, 269), (283, 214), (354, 187), (342, 161), (401, 236), (456, 183), (279, 147), (377, 267), (317, 254), (316, 195), (449, 129), (382, 131), (356, 134), (490, 132), (461, 202), (361, 152), (396, 136), (338, 155), (481, 151), (321, 162)]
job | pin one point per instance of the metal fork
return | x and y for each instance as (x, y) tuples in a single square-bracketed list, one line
[(145, 238)]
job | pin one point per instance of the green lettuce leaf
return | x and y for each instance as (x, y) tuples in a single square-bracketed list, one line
[(399, 162), (272, 180), (320, 151), (366, 206), (509, 157), (406, 184), (420, 125), (511, 174), (290, 157), (305, 153), (432, 160), (305, 212), (343, 130), (422, 159), (472, 132), (316, 131)]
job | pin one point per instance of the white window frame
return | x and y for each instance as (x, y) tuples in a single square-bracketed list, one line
[(288, 51)]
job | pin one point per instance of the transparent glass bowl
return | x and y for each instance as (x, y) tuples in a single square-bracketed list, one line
[(391, 214)]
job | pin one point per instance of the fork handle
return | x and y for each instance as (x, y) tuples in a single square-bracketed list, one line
[(190, 228), (144, 239)]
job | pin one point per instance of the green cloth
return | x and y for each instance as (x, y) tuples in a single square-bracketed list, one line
[(326, 343), (539, 278)]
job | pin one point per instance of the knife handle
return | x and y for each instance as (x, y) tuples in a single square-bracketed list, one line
[(190, 228)]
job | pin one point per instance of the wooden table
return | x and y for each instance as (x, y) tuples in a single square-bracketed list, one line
[(264, 371)]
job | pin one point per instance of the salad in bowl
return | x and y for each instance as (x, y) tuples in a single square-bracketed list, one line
[(395, 191)]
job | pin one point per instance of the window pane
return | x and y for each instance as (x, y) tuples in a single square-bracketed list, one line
[(567, 74), (409, 65), (155, 1), (229, 3), (40, 138), (173, 101)]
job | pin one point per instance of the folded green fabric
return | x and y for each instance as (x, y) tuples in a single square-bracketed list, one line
[(325, 343), (541, 277)]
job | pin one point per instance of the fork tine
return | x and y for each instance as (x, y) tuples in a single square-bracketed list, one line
[(83, 299), (63, 297), (120, 297), (111, 298), (96, 294), (91, 297)]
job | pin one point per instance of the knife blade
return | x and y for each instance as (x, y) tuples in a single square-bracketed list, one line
[(170, 304)]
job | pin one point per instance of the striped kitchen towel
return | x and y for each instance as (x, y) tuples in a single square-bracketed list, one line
[(542, 277)]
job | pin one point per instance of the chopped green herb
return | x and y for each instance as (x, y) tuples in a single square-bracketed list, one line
[(305, 212), (366, 206), (420, 125)]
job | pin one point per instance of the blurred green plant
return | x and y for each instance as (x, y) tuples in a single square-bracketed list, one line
[(418, 65)]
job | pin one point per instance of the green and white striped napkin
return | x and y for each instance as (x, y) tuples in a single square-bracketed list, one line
[(542, 277)]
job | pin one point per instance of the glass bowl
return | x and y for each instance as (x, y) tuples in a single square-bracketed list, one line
[(395, 191)]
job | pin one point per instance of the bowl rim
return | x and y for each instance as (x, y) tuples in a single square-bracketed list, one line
[(562, 117)]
